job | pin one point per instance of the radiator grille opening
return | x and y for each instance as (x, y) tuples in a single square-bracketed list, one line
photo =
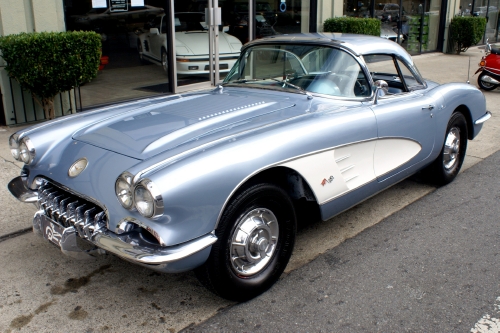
[(70, 210)]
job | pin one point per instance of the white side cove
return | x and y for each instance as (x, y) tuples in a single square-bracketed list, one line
[(391, 153), (335, 172)]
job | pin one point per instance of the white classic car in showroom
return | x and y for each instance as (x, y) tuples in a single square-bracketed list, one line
[(191, 44)]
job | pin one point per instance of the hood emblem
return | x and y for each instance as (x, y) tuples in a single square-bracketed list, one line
[(76, 168)]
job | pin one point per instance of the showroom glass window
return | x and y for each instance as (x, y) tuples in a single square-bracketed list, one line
[(413, 24), (126, 72)]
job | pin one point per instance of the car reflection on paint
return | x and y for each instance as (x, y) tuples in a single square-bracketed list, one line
[(213, 180)]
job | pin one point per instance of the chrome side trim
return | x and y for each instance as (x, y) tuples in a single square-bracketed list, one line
[(484, 118), (17, 187), (226, 202), (119, 246)]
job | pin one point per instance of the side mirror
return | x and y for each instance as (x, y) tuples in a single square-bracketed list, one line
[(381, 89), (225, 28), (154, 31)]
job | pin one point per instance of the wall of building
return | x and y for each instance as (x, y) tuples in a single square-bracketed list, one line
[(452, 10), (18, 16), (328, 9)]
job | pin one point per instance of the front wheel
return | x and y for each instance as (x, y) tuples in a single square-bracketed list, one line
[(485, 85), (447, 165), (164, 61), (255, 235)]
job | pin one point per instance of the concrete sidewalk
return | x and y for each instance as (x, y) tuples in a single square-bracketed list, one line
[(43, 290)]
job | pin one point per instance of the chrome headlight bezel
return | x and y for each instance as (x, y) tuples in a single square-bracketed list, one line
[(22, 150), (125, 179), (156, 198), (14, 146)]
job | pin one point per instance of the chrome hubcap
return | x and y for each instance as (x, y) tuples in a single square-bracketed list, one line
[(254, 241), (451, 148)]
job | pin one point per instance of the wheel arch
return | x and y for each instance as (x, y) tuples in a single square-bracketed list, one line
[(292, 182), (465, 111)]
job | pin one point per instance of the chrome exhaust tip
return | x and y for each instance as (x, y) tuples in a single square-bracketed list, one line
[(489, 79)]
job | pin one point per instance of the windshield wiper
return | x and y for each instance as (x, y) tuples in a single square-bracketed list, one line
[(242, 81), (309, 96), (293, 86)]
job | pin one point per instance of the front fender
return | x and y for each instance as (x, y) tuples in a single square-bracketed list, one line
[(464, 97)]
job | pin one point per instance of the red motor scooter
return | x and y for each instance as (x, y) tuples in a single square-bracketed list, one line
[(489, 78)]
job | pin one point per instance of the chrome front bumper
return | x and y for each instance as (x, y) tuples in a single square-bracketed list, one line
[(130, 246)]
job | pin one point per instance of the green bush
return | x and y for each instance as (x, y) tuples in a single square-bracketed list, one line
[(354, 25), (466, 31), (47, 63)]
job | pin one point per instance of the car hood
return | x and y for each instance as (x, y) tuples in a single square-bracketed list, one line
[(188, 120), (196, 42)]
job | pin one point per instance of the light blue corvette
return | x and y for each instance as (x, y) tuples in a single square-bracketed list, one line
[(213, 180)]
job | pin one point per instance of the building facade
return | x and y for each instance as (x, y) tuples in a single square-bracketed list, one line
[(154, 47)]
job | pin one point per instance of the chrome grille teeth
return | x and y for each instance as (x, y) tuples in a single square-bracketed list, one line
[(70, 210), (71, 213), (63, 210)]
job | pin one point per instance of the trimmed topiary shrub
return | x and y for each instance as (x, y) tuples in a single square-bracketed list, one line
[(47, 63), (354, 25), (466, 31)]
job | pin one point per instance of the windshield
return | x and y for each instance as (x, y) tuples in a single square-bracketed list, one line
[(310, 68), (189, 21)]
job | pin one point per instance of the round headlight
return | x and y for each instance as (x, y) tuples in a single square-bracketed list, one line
[(25, 150), (144, 201), (24, 153), (14, 148), (123, 191)]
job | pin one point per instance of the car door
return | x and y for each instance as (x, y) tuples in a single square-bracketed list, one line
[(406, 127)]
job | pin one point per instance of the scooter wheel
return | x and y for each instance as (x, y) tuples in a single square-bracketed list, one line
[(485, 85)]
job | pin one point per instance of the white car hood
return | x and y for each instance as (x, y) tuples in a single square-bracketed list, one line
[(196, 43)]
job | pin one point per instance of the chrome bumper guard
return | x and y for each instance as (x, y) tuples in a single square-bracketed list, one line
[(483, 118), (78, 229)]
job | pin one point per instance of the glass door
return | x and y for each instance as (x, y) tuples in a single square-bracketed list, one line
[(131, 64), (420, 25), (489, 10)]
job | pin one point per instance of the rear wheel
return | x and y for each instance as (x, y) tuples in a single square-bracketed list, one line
[(446, 167), (255, 235), (485, 85)]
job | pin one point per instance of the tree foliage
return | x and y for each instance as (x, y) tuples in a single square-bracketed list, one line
[(47, 63), (354, 25), (466, 31)]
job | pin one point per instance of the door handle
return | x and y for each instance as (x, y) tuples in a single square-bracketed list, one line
[(430, 107)]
